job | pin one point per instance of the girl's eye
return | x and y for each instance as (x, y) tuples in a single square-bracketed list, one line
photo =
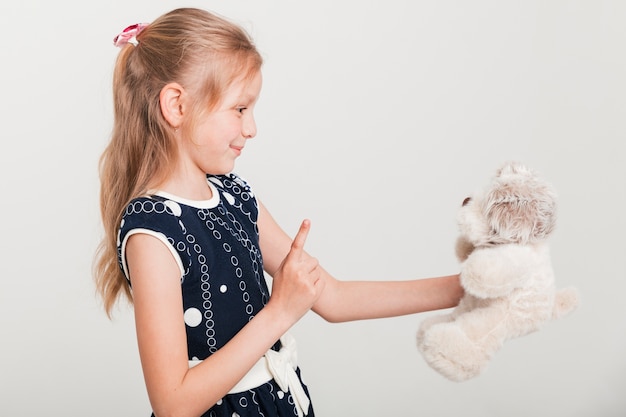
[(241, 109)]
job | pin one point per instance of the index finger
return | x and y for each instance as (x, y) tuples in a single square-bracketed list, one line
[(300, 239)]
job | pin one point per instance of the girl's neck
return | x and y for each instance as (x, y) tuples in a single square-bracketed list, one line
[(195, 188)]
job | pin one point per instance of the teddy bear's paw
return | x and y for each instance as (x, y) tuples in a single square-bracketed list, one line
[(448, 351), (565, 301)]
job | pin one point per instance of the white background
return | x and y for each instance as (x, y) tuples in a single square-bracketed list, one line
[(376, 119)]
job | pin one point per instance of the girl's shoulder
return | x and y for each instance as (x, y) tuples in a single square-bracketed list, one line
[(148, 204), (159, 210), (151, 212), (156, 216)]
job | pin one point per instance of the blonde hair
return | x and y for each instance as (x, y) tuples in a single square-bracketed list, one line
[(202, 52)]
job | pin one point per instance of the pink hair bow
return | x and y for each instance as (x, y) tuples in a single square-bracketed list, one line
[(129, 35)]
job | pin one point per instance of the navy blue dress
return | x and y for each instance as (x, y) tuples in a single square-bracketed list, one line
[(216, 246)]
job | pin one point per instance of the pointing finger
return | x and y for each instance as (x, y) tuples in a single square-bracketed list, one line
[(303, 232)]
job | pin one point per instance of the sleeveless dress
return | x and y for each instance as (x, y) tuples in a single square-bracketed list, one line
[(216, 246)]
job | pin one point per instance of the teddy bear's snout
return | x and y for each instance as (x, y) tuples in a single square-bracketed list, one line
[(466, 201)]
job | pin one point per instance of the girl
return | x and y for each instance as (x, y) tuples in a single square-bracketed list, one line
[(188, 242)]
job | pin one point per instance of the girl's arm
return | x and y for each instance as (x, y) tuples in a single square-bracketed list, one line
[(355, 300), (172, 387)]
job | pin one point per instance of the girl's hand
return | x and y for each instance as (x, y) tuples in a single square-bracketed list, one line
[(297, 283)]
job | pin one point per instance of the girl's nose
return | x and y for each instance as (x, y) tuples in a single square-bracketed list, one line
[(248, 129)]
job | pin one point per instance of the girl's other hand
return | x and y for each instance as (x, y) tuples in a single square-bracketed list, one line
[(297, 283)]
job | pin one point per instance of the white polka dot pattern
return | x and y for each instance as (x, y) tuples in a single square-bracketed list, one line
[(223, 286)]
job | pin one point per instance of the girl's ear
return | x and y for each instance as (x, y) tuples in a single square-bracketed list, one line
[(171, 100)]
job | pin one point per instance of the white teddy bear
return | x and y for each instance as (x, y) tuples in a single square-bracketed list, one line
[(506, 273)]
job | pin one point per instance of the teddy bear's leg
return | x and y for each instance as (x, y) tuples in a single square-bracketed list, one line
[(565, 301), (428, 323), (467, 303), (461, 349), (448, 350)]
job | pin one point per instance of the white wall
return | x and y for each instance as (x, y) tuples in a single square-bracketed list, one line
[(376, 119)]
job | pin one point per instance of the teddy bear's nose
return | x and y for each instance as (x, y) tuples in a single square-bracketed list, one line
[(466, 201)]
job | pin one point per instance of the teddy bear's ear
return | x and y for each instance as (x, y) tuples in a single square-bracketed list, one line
[(514, 169), (520, 208)]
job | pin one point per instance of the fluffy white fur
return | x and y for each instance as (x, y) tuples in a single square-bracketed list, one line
[(506, 272)]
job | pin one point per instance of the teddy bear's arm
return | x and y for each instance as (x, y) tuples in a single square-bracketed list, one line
[(463, 248), (495, 271)]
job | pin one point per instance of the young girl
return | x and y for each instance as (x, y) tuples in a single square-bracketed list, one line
[(188, 241)]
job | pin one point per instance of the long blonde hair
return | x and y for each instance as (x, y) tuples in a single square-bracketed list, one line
[(202, 52)]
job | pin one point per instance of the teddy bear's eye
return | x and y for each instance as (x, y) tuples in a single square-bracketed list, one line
[(466, 201)]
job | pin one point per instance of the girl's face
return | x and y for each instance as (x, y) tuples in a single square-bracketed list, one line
[(220, 137)]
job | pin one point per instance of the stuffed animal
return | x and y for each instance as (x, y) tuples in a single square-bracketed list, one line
[(506, 273)]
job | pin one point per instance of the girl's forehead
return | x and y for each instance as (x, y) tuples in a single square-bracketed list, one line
[(245, 87)]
